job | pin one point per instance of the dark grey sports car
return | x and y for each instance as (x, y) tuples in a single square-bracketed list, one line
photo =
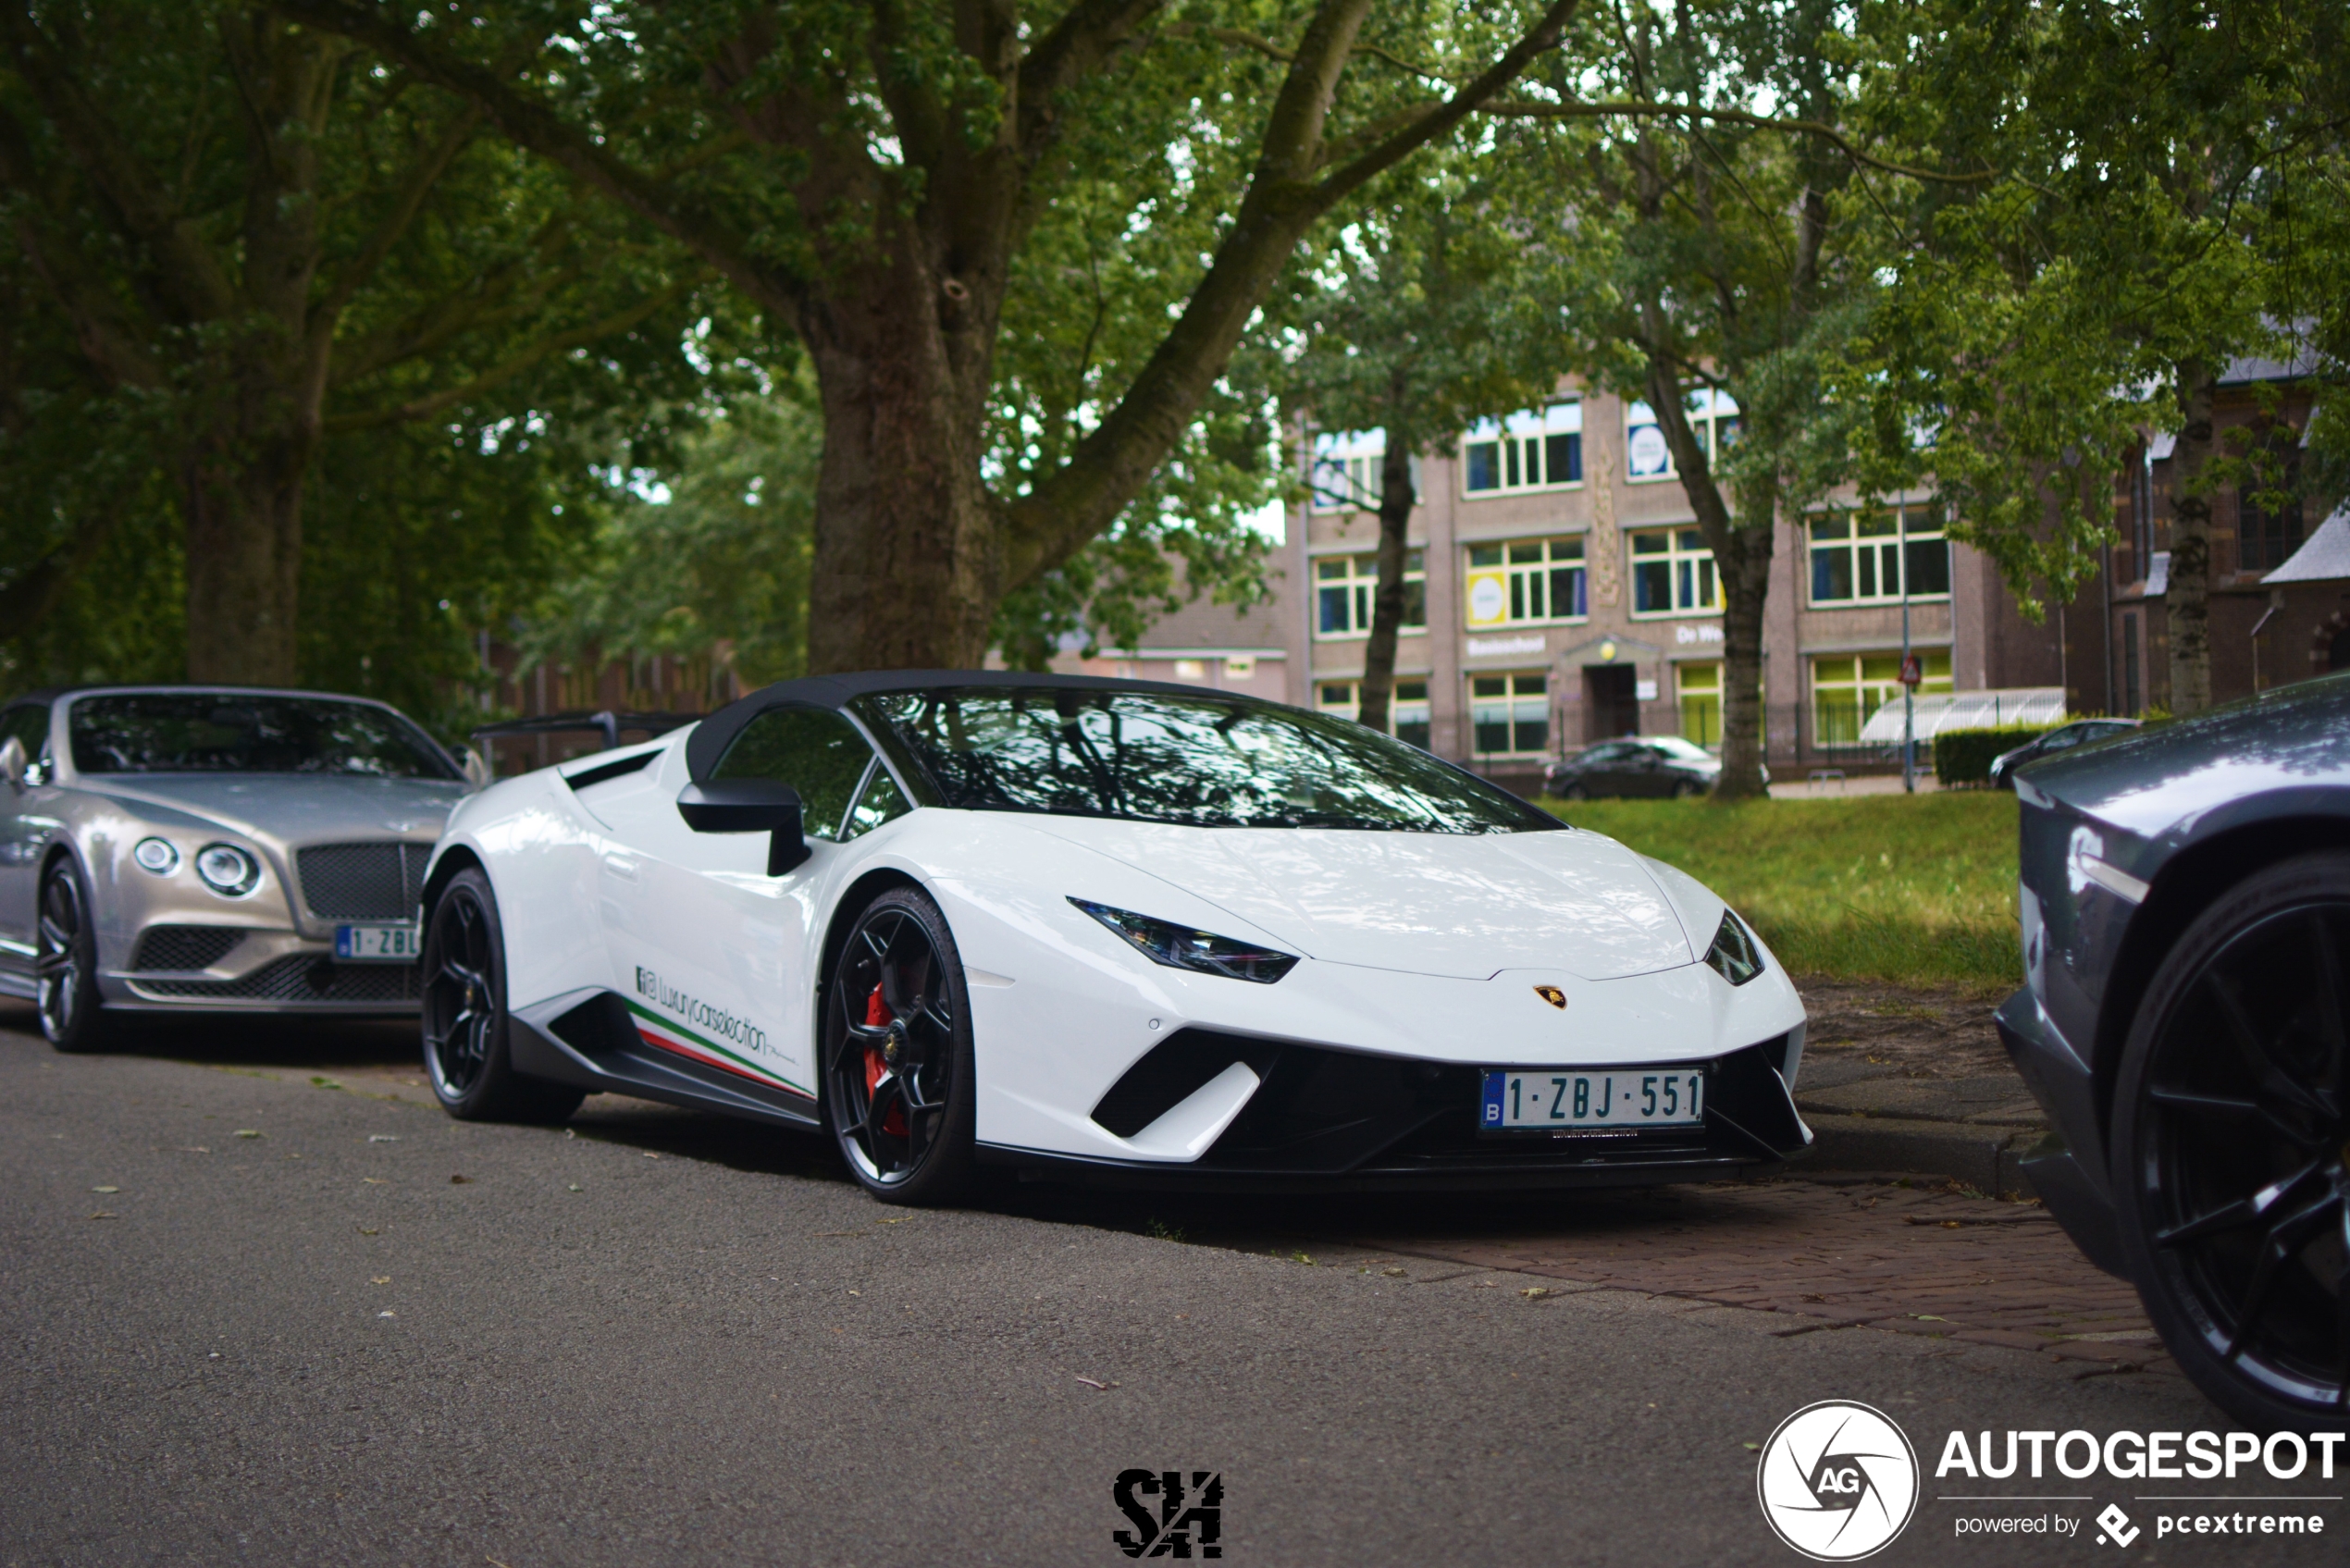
[(2186, 940)]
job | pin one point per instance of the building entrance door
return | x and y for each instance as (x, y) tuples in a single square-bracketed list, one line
[(1614, 708)]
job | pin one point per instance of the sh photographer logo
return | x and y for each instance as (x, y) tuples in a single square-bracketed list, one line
[(1185, 1518), (1838, 1481)]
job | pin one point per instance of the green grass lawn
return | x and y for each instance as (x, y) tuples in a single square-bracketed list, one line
[(1917, 890)]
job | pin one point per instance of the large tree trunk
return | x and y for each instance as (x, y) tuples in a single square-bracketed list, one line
[(1743, 563), (909, 559), (243, 513), (1396, 500), (2187, 605)]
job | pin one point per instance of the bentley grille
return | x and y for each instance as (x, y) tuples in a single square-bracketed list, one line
[(361, 882)]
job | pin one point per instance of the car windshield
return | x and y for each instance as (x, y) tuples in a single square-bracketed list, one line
[(235, 733), (1199, 761), (1685, 750)]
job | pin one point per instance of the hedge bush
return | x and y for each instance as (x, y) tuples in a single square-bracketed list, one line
[(1965, 757)]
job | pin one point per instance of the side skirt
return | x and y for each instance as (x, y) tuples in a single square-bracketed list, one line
[(587, 1039)]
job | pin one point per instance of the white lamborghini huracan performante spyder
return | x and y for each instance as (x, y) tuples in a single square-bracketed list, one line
[(1101, 928)]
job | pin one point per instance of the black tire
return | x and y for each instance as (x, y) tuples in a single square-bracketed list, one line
[(898, 1080), (1577, 792), (465, 1014), (1687, 789), (66, 961), (2232, 1147)]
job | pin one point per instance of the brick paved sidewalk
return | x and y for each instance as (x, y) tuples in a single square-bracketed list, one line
[(1830, 1253)]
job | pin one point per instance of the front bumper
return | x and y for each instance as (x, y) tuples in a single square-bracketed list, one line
[(174, 969), (1328, 1120), (2068, 1167)]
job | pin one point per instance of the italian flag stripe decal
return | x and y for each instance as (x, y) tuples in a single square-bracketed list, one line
[(669, 1036)]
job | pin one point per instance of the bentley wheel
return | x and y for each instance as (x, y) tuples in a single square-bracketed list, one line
[(464, 1015), (65, 963), (2231, 1163), (898, 1089), (1577, 792)]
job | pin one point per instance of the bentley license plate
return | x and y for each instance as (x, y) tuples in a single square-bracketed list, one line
[(1594, 1097), (375, 945)]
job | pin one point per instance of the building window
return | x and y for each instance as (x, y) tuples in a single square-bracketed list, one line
[(2269, 522), (1527, 452), (1713, 419), (1847, 688), (1673, 574), (1407, 707), (1525, 580), (1858, 557), (1343, 586), (1701, 692), (1346, 471), (1510, 714)]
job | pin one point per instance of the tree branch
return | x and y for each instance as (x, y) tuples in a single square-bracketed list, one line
[(538, 352), (533, 125), (423, 174), (1636, 109)]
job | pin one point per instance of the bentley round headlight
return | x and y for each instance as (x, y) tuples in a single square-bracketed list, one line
[(155, 854), (228, 869)]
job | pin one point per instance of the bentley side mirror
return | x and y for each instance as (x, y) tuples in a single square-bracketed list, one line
[(748, 806), (476, 766), (12, 763)]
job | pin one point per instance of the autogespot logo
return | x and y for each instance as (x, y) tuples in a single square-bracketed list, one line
[(1838, 1481)]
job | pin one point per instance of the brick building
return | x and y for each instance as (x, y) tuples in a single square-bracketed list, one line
[(1561, 594)]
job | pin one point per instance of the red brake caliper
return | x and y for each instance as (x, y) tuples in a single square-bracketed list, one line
[(878, 1015)]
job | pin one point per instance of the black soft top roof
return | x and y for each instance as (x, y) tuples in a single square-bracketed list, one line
[(709, 743)]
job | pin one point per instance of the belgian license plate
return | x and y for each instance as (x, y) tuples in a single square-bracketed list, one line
[(1594, 1097), (375, 945)]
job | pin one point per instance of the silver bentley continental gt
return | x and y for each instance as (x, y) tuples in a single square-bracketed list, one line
[(213, 849)]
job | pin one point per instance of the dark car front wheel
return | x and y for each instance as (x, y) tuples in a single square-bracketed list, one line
[(898, 1088), (66, 961), (465, 1014), (2232, 1146)]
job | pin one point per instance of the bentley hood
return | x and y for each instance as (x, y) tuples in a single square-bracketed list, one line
[(1459, 904), (293, 807)]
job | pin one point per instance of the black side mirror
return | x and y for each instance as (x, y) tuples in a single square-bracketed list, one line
[(748, 806)]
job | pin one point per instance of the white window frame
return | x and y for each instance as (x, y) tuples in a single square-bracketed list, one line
[(1713, 419), (1520, 446), (1402, 709), (1520, 705), (1865, 557), (1863, 686), (1361, 584), (1512, 585), (1696, 581), (1345, 473)]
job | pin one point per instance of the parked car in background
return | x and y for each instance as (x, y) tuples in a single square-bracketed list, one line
[(2063, 738), (2185, 1020), (1638, 766), (204, 849)]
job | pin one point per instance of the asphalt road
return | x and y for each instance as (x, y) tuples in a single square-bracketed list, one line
[(249, 1317)]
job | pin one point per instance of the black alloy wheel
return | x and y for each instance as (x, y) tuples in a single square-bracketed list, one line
[(464, 1015), (65, 962), (898, 1089), (1577, 792), (1687, 789), (2232, 1139)]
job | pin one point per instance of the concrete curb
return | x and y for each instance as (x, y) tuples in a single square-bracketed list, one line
[(1986, 1157)]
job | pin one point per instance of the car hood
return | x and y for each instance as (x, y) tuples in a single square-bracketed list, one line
[(1458, 904), (2286, 749), (294, 808)]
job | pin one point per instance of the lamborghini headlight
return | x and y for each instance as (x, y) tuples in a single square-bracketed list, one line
[(1182, 947), (228, 869), (1735, 956)]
